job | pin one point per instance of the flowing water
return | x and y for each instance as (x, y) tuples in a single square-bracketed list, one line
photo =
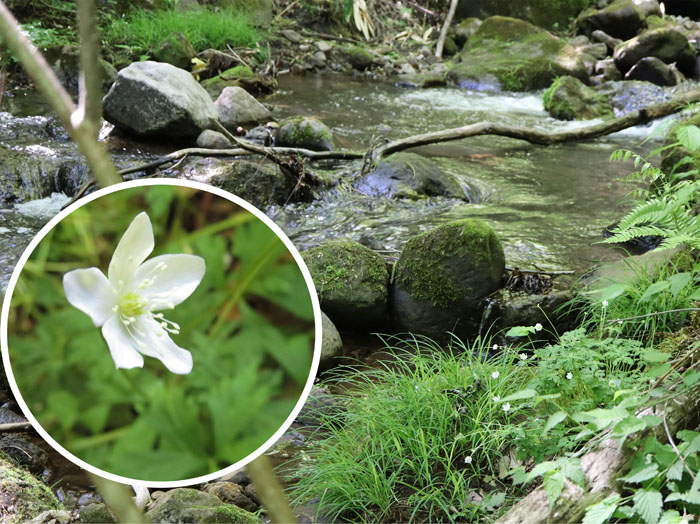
[(548, 204)]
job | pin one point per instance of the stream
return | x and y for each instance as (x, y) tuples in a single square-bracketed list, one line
[(548, 204)]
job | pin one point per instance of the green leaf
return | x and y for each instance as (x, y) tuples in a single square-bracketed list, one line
[(553, 485), (641, 474), (671, 516), (648, 504), (651, 421), (520, 395), (654, 289), (540, 469), (691, 377), (655, 356), (542, 398), (689, 137), (520, 331), (628, 426), (675, 472), (553, 420), (611, 292), (493, 500), (573, 470), (602, 511), (678, 282)]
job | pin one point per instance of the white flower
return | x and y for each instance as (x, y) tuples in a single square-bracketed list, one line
[(496, 398), (124, 303), (569, 375), (468, 459), (538, 327), (605, 304), (495, 374), (506, 406), (495, 347), (523, 356)]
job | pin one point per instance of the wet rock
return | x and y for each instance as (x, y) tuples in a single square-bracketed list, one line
[(320, 405), (651, 69), (408, 175), (324, 46), (190, 505), (597, 51), (176, 50), (442, 277), (649, 7), (465, 29), (7, 416), (520, 56), (213, 140), (632, 95), (240, 477), (292, 36), (97, 513), (20, 448), (351, 282), (358, 57), (666, 44), (23, 497), (621, 19), (260, 183), (231, 493), (570, 99), (604, 38), (239, 108), (522, 309), (252, 493), (608, 69), (159, 100), (331, 343), (307, 133), (543, 13)]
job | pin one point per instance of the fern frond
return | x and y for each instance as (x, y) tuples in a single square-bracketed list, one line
[(643, 213), (628, 234)]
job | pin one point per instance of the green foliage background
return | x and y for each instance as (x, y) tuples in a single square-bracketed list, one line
[(249, 326)]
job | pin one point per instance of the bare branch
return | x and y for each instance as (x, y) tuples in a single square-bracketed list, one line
[(90, 74), (445, 28)]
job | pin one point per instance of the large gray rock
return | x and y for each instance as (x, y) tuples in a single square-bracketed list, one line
[(632, 95), (511, 54), (260, 183), (442, 278), (191, 505), (570, 99), (664, 43), (649, 7), (237, 107), (621, 19), (158, 100), (351, 281), (408, 175)]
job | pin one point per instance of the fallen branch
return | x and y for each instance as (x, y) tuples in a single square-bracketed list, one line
[(14, 427), (548, 273), (544, 138)]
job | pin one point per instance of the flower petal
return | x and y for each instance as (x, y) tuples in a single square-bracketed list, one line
[(133, 248), (158, 344), (90, 292), (122, 345), (167, 280)]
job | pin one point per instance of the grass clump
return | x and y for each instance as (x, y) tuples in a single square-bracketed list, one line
[(142, 31), (420, 437)]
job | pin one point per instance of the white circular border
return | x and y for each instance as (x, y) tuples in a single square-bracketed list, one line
[(160, 182)]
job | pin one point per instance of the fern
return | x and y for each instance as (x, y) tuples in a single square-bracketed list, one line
[(667, 208)]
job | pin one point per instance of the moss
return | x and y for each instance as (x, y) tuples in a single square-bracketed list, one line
[(569, 99), (29, 496), (231, 513), (423, 272), (338, 264), (240, 71), (303, 132)]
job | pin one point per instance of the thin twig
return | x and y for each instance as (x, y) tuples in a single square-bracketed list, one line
[(548, 273), (14, 427), (673, 444), (327, 36)]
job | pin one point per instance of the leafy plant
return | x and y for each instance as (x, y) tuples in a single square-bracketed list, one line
[(419, 438)]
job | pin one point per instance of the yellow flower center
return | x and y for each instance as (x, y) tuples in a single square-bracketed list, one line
[(131, 305)]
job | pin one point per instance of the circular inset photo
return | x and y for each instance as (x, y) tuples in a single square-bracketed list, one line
[(161, 332)]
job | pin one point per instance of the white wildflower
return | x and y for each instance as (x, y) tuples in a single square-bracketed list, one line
[(495, 374), (468, 459), (538, 327), (506, 406), (605, 304), (569, 375), (496, 398), (124, 303), (523, 356)]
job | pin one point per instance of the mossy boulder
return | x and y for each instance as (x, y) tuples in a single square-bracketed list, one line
[(651, 69), (239, 76), (408, 175), (96, 513), (518, 55), (465, 29), (23, 496), (442, 277), (358, 57), (306, 133), (621, 19), (351, 282), (260, 183), (191, 505), (664, 43), (175, 50), (570, 99), (544, 13)]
